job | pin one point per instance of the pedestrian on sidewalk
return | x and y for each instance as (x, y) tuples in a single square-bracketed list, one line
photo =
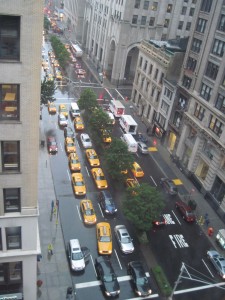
[(50, 249)]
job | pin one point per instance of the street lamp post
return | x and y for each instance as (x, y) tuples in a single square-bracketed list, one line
[(118, 81)]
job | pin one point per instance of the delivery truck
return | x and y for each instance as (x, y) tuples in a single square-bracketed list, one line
[(128, 124), (117, 108), (130, 141)]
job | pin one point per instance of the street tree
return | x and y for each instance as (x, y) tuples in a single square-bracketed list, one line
[(142, 205), (118, 159), (48, 88), (61, 53), (88, 101), (47, 23), (99, 120)]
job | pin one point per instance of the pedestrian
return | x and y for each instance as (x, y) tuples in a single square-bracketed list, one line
[(69, 292), (52, 206), (210, 231), (50, 249)]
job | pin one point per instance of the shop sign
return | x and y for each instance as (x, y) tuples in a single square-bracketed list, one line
[(17, 296)]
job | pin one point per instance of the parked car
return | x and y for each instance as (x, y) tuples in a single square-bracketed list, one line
[(142, 147), (139, 279), (169, 186), (68, 132), (52, 145), (123, 238), (51, 108), (77, 255), (185, 211), (106, 274), (85, 140), (107, 203), (218, 262), (62, 120)]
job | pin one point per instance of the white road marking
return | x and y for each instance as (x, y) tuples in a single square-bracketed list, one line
[(207, 267), (136, 154), (61, 146), (178, 240), (68, 173), (93, 265), (108, 93), (78, 210), (100, 209), (168, 219), (153, 181), (176, 217), (87, 171), (119, 94), (118, 259), (207, 286)]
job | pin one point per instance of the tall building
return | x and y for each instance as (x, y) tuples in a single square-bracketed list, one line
[(21, 26), (113, 30), (201, 146)]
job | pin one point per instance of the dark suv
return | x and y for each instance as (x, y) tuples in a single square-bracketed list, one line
[(107, 276), (185, 211), (169, 186), (68, 132), (107, 203)]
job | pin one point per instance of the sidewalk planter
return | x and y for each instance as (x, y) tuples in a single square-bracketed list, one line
[(142, 237), (162, 281)]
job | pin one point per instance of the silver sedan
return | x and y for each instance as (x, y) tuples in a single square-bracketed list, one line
[(218, 262), (124, 239)]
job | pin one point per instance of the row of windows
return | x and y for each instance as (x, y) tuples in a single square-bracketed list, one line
[(217, 48), (145, 6), (143, 22)]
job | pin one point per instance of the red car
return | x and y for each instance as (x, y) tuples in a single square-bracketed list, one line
[(185, 211), (52, 145)]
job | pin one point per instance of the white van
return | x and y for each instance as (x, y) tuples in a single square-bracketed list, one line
[(74, 110), (130, 141)]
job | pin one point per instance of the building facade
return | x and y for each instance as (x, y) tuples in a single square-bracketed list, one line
[(20, 72), (112, 30), (201, 147), (154, 87)]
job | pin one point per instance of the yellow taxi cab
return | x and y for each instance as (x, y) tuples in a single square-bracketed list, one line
[(56, 63), (131, 182), (50, 77), (104, 238), (63, 110), (78, 123), (58, 75), (51, 107), (69, 145), (92, 158), (78, 184), (99, 178), (74, 163), (137, 170), (87, 211), (124, 172), (106, 136)]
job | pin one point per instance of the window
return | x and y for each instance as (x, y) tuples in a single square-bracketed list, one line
[(166, 23), (146, 5), (205, 92), (9, 102), (191, 63), (11, 273), (188, 26), (182, 102), (177, 119), (180, 25), (206, 5), (13, 237), (152, 21), (161, 78), (155, 6), (220, 103), (201, 24), (134, 19), (168, 93), (158, 96), (186, 82), (156, 74), (169, 8), (221, 24), (150, 69), (196, 45), (143, 20), (10, 156), (11, 199), (216, 126), (140, 62), (165, 107), (145, 65), (223, 81), (192, 10), (9, 37), (137, 3), (199, 112), (184, 10), (218, 48), (211, 70), (0, 245)]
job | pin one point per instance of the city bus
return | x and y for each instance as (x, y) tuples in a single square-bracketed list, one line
[(76, 50)]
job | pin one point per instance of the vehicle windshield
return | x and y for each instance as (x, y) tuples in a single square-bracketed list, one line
[(79, 183), (89, 212), (142, 280), (77, 256), (105, 239), (53, 143), (70, 144), (126, 240), (109, 278), (75, 161), (98, 177), (87, 140), (138, 169)]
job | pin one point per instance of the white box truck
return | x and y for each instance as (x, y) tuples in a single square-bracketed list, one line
[(74, 110), (130, 141), (117, 108), (128, 124)]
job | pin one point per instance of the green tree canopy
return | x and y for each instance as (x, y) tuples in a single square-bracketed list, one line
[(47, 23), (61, 53), (88, 101), (118, 159), (48, 89), (142, 205)]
